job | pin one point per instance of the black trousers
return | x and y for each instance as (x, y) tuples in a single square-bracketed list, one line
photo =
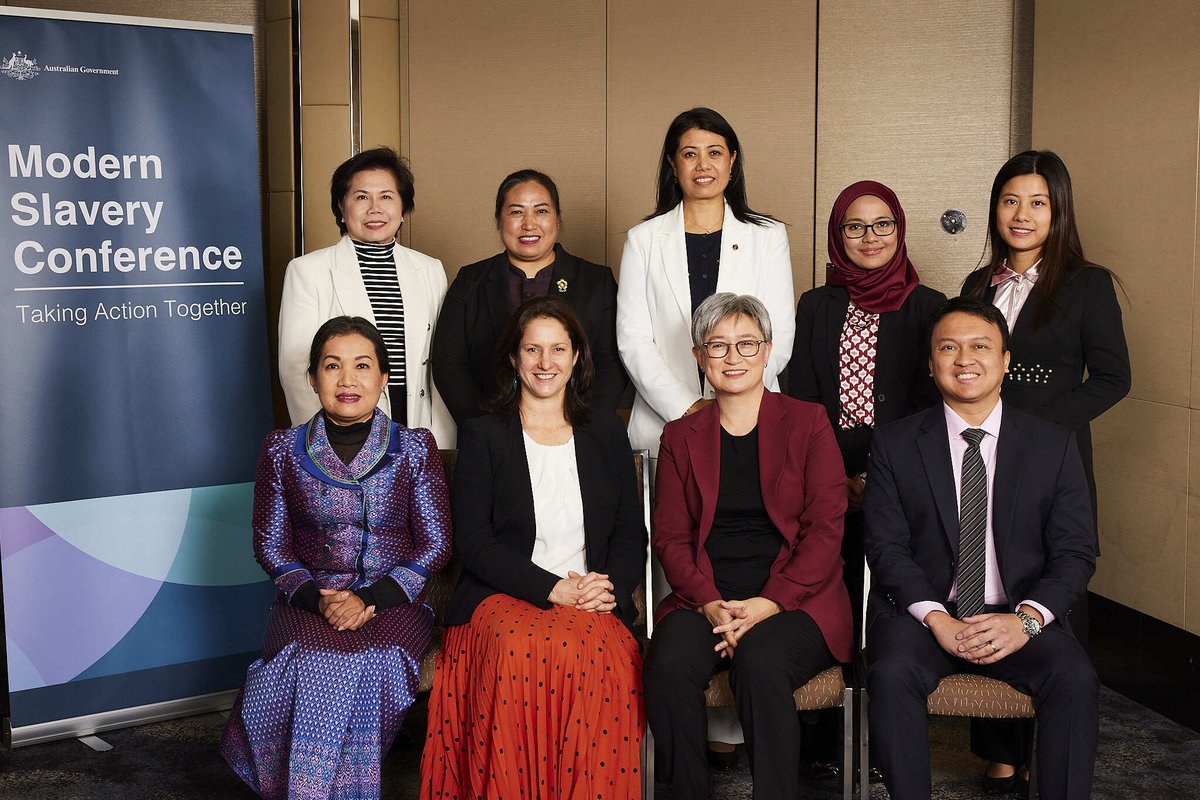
[(776, 657), (905, 663)]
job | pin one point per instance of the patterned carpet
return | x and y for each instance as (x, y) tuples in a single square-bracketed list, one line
[(1142, 755)]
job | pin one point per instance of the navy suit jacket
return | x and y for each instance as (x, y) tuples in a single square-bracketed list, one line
[(1041, 513)]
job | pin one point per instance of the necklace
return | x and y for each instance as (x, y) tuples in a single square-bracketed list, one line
[(695, 224)]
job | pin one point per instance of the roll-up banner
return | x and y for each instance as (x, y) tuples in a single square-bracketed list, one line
[(134, 392)]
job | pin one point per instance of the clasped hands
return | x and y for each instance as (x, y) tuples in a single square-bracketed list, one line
[(732, 619), (590, 592), (344, 609), (981, 639)]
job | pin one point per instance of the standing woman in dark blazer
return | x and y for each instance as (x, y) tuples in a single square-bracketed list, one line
[(1070, 361), (538, 688), (862, 343), (533, 264)]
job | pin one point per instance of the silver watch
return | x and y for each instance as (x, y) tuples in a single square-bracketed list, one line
[(1031, 626)]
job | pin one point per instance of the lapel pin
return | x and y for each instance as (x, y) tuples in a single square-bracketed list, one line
[(562, 285)]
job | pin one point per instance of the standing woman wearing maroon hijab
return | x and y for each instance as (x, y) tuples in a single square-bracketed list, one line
[(862, 343)]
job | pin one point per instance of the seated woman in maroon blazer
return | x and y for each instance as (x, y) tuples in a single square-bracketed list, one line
[(748, 527)]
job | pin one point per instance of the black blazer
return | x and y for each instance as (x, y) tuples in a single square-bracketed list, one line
[(1041, 513), (476, 308), (1045, 373), (493, 514), (902, 381)]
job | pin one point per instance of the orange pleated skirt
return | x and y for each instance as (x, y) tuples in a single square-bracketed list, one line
[(537, 704)]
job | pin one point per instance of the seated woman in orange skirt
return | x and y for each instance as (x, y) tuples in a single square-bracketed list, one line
[(538, 691)]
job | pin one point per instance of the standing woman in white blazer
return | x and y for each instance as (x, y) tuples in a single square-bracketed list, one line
[(368, 274), (701, 239)]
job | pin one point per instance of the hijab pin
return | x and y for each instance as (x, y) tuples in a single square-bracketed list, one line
[(562, 285)]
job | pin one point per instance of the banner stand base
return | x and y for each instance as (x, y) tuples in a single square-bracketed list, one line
[(88, 726)]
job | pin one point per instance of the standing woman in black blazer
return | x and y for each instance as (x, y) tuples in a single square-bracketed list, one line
[(862, 343), (538, 687), (1070, 362), (533, 264)]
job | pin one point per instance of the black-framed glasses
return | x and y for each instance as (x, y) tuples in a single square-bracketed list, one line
[(746, 348), (857, 230)]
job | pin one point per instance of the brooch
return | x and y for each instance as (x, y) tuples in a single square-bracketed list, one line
[(562, 285)]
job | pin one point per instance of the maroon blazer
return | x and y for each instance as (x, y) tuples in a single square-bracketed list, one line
[(804, 491)]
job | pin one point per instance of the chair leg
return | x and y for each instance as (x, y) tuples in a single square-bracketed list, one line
[(864, 747), (648, 765), (1033, 791), (847, 743)]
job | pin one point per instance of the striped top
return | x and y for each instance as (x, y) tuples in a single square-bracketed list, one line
[(377, 265)]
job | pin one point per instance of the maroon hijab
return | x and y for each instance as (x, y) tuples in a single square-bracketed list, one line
[(874, 290)]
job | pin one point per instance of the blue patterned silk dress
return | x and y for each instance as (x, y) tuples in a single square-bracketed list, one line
[(320, 709)]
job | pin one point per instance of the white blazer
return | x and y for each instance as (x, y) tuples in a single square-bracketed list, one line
[(326, 283), (654, 311)]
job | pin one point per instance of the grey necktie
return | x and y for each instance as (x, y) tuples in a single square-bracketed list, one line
[(972, 520)]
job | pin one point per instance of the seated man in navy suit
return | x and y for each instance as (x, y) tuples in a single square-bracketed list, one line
[(979, 536)]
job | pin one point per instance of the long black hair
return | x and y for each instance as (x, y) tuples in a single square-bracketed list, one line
[(670, 195), (576, 403), (1063, 253)]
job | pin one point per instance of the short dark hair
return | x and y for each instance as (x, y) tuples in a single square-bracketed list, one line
[(670, 195), (976, 308), (507, 400), (343, 326), (524, 176), (378, 158)]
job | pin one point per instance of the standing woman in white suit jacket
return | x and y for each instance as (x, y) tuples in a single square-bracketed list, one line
[(368, 274), (701, 239)]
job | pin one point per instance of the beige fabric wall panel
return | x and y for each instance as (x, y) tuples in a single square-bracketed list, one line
[(916, 95), (754, 64), (380, 82), (279, 126), (1191, 609), (1141, 476), (228, 12), (326, 132), (492, 91), (325, 52), (1115, 94), (386, 9), (277, 9)]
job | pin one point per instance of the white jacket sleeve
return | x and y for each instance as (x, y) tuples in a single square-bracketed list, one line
[(777, 297), (299, 319), (648, 369)]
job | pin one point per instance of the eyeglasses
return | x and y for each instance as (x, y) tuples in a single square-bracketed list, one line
[(746, 348), (857, 230)]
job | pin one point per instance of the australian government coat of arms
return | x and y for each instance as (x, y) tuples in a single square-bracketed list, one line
[(19, 66)]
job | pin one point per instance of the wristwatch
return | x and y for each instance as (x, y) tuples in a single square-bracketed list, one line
[(1031, 626)]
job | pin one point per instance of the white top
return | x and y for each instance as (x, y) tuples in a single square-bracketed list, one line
[(558, 544)]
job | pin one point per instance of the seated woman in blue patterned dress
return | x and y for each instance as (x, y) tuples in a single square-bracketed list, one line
[(351, 517)]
